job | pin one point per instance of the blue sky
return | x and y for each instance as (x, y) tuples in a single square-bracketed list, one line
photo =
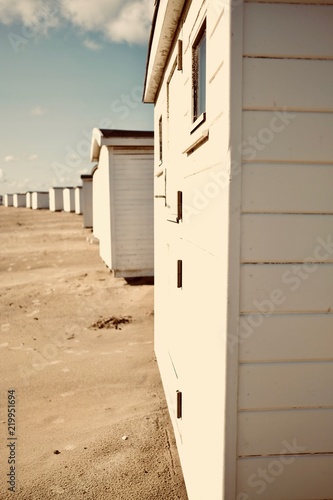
[(67, 66)]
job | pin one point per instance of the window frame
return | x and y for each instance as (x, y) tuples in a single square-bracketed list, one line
[(198, 107)]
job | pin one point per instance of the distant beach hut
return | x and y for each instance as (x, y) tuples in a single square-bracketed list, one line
[(87, 200), (78, 200), (40, 199), (56, 199), (8, 200), (28, 199), (123, 200), (19, 200), (69, 199), (97, 212)]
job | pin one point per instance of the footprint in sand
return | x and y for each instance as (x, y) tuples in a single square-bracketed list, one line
[(5, 327)]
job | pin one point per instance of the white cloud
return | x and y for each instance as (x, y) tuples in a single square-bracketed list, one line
[(132, 25), (39, 14), (92, 45), (33, 157), (37, 111), (9, 158), (119, 20)]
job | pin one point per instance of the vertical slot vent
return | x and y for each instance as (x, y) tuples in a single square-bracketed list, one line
[(179, 273), (179, 404), (179, 205)]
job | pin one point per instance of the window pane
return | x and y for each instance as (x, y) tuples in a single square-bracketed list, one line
[(199, 76), (202, 75)]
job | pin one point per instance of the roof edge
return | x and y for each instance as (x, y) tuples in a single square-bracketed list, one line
[(166, 19)]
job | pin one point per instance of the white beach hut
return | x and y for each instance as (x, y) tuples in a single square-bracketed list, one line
[(8, 200), (78, 200), (28, 199), (69, 199), (243, 237), (87, 200), (40, 199), (97, 211), (123, 200), (56, 199), (19, 200)]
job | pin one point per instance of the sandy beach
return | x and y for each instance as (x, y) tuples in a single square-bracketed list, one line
[(76, 348)]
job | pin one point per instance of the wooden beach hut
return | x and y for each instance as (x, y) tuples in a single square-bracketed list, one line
[(78, 200), (8, 200), (123, 199), (40, 199), (28, 199), (243, 242), (19, 200), (87, 200), (69, 199), (56, 199), (97, 214)]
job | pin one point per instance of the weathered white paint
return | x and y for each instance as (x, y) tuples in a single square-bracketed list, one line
[(56, 199), (78, 200), (39, 200), (87, 201), (123, 201), (8, 200), (69, 199), (248, 337), (19, 200)]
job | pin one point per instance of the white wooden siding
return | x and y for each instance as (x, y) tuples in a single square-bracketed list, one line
[(267, 84), (285, 329), (292, 238), (133, 202), (263, 432), (270, 386), (287, 288), (307, 30), (287, 188), (286, 337), (304, 137), (305, 478)]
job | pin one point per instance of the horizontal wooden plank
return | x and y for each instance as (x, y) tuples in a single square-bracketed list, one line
[(263, 432), (286, 238), (287, 337), (282, 136), (286, 288), (287, 188), (285, 30), (287, 83), (285, 385), (304, 478)]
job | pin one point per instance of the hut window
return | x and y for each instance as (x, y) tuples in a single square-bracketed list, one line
[(199, 74), (160, 137)]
